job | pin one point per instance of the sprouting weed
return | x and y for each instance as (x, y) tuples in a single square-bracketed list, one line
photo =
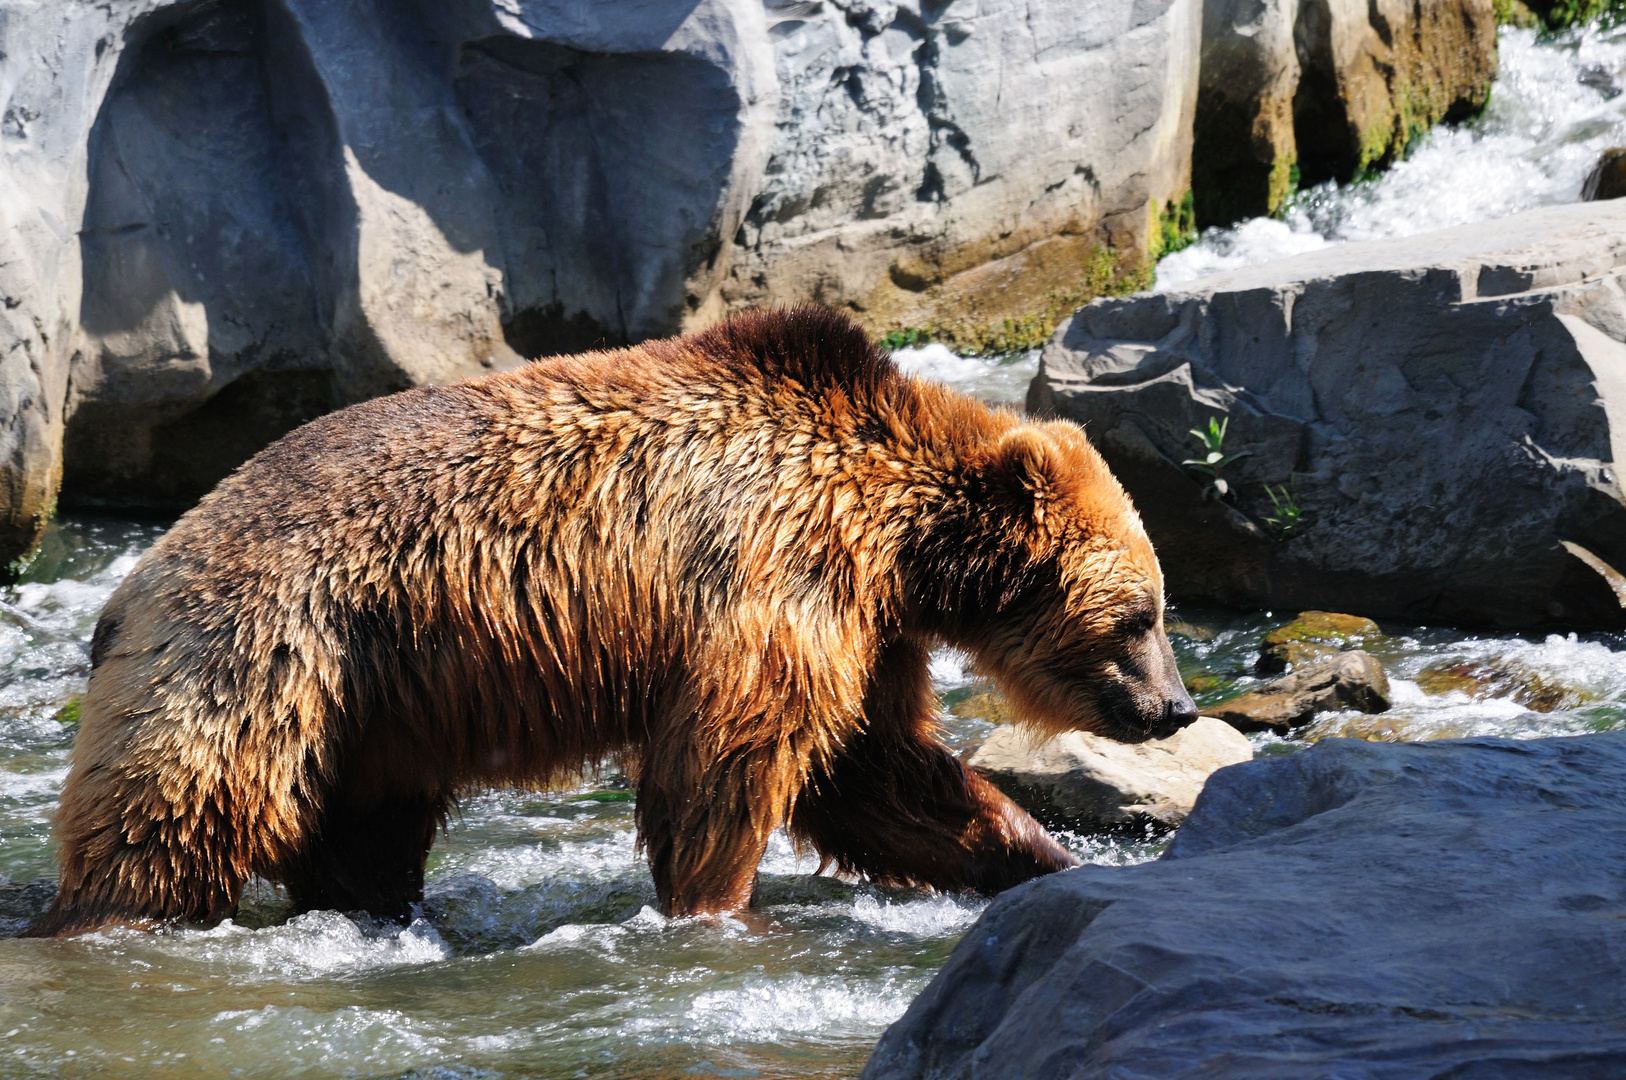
[(1212, 463), (1286, 514)]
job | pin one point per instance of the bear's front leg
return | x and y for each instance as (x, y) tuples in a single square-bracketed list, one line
[(705, 823), (897, 807)]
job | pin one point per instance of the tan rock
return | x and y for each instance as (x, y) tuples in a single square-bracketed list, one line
[(1313, 90), (1349, 680), (1083, 781)]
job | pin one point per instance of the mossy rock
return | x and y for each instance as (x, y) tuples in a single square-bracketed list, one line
[(69, 712), (1205, 682), (1482, 682), (1314, 635), (1190, 631), (984, 703)]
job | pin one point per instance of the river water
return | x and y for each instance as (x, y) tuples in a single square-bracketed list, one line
[(537, 953)]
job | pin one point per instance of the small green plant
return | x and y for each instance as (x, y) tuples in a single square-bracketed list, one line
[(1286, 515), (907, 338), (1212, 463), (69, 713)]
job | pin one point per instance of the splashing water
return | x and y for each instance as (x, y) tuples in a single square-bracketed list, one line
[(1556, 105)]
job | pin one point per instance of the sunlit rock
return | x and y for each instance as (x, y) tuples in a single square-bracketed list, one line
[(1087, 782), (1314, 635), (1357, 909), (221, 219), (1302, 91), (1348, 680), (1442, 411)]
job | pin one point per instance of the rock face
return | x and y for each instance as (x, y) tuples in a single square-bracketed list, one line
[(223, 217), (1444, 409), (1311, 90), (1348, 680), (1394, 911), (1085, 782)]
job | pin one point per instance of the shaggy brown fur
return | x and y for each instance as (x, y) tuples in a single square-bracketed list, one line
[(722, 558)]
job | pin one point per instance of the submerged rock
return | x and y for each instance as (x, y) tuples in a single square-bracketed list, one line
[(1087, 782), (1444, 410), (1348, 680), (1439, 909), (1314, 635), (1538, 693), (1301, 91)]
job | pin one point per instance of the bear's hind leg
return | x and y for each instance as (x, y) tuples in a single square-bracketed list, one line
[(897, 807), (367, 858)]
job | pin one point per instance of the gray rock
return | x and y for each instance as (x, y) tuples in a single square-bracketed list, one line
[(1445, 409), (1086, 782), (223, 217), (1357, 910), (1315, 90), (1350, 680)]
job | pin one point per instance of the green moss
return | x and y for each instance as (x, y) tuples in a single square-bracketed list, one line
[(1284, 180), (1174, 226), (907, 338), (69, 713), (1559, 14), (603, 796), (1513, 13), (1106, 272)]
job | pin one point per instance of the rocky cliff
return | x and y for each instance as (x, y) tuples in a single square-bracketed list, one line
[(1302, 91), (224, 217)]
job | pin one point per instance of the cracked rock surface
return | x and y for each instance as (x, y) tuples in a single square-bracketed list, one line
[(1445, 410), (1382, 911), (220, 218)]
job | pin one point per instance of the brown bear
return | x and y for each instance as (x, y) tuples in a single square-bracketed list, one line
[(721, 558)]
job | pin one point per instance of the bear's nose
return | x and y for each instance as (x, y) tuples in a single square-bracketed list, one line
[(1177, 713)]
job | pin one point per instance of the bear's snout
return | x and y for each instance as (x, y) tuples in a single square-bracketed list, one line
[(1177, 713)]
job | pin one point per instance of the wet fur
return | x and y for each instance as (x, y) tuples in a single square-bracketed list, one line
[(720, 558)]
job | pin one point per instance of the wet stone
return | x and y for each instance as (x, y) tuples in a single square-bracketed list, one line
[(1482, 682), (1089, 783), (1349, 680), (1440, 914), (1314, 635)]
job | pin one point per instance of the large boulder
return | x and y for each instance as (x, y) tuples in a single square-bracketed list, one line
[(1088, 782), (1301, 91), (1442, 410), (1383, 911), (223, 217)]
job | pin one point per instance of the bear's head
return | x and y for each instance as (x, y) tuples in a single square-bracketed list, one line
[(1070, 601)]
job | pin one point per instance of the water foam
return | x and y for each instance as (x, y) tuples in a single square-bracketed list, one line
[(315, 945), (996, 379), (764, 1009)]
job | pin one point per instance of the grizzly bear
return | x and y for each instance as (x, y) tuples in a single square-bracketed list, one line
[(722, 559)]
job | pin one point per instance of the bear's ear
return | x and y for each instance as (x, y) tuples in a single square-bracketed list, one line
[(1025, 473)]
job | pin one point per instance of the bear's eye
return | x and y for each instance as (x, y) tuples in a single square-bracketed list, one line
[(1138, 622)]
